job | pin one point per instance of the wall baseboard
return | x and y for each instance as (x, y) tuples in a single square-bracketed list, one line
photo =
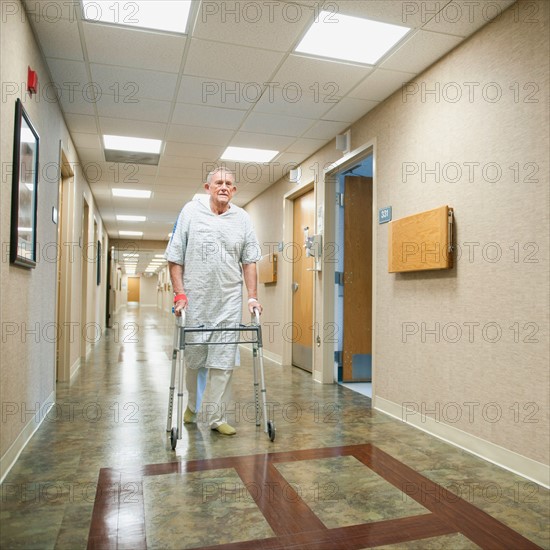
[(16, 448), (509, 460), (268, 355)]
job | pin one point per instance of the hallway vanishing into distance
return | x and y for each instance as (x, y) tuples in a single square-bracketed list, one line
[(100, 473)]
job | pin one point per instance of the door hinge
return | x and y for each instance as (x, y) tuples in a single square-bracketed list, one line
[(338, 278), (338, 358), (339, 199)]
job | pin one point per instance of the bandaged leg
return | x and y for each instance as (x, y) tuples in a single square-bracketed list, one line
[(220, 400), (195, 381)]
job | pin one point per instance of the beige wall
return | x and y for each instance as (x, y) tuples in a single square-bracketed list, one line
[(501, 388), (28, 296)]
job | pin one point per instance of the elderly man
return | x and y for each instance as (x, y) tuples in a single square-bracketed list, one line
[(212, 249)]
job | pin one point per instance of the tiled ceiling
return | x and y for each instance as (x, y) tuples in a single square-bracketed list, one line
[(216, 87)]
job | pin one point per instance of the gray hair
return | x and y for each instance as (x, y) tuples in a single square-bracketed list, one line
[(216, 170)]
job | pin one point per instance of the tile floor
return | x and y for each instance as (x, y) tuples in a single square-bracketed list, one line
[(100, 472)]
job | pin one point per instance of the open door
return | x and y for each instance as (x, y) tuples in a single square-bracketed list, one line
[(302, 283), (357, 340)]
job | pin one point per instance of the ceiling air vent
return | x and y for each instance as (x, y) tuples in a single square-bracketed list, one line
[(130, 157)]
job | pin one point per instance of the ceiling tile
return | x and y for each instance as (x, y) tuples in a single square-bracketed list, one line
[(306, 146), (138, 48), (381, 84), (82, 123), (212, 117), (131, 85), (326, 129), (229, 62), (76, 103), (142, 109), (198, 134), (180, 162), (252, 23), (90, 155), (350, 109), (276, 124), (218, 93), (463, 17), (319, 77), (405, 13), (91, 141), (71, 77), (134, 128), (261, 140), (421, 50), (58, 37), (292, 101), (174, 148)]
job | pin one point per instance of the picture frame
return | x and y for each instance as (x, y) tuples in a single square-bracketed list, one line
[(98, 260), (24, 204)]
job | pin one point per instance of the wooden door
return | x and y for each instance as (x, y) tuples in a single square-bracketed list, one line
[(302, 283), (357, 341), (133, 289)]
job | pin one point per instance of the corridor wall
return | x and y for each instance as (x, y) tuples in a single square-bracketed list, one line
[(28, 297), (461, 354)]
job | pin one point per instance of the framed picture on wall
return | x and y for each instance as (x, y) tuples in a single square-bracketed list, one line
[(98, 260), (24, 190)]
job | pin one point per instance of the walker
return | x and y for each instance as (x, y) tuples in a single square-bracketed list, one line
[(178, 363)]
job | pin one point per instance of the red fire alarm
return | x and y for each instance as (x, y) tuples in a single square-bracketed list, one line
[(32, 81)]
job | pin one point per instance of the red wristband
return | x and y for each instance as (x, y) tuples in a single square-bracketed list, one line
[(179, 297)]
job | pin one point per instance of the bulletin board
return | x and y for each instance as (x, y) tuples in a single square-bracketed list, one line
[(422, 241), (267, 269)]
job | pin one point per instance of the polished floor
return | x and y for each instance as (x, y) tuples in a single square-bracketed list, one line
[(100, 471)]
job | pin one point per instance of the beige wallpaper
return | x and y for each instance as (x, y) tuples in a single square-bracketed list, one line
[(28, 297), (468, 347)]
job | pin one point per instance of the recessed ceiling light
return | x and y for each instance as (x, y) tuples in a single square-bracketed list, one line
[(160, 256), (132, 193), (350, 38), (131, 254), (131, 233), (123, 218), (162, 15), (249, 154), (133, 144)]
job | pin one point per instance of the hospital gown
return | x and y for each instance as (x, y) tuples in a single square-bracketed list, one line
[(212, 248)]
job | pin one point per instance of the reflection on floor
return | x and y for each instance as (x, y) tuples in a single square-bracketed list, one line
[(364, 388), (100, 473)]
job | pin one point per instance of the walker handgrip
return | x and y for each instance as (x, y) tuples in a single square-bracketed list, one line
[(256, 313), (180, 321)]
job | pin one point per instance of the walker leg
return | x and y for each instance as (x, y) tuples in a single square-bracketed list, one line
[(256, 383), (181, 361), (269, 426), (172, 379)]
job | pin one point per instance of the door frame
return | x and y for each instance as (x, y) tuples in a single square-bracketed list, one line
[(327, 305), (285, 268), (64, 282)]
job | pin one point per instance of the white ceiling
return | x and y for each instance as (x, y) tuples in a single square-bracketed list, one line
[(168, 86)]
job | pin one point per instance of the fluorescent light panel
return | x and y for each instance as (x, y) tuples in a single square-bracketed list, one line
[(350, 38), (124, 218), (132, 193), (160, 15), (131, 233), (133, 144), (249, 154)]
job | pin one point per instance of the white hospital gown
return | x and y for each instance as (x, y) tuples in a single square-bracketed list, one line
[(212, 248)]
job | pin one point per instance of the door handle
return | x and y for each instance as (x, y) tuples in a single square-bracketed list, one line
[(294, 286)]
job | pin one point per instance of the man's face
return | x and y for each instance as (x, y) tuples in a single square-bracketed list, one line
[(221, 188)]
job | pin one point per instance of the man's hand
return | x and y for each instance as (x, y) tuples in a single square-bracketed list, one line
[(180, 303), (254, 304)]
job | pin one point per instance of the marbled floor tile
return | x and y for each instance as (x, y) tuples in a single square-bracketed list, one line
[(446, 542), (342, 491), (199, 509)]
